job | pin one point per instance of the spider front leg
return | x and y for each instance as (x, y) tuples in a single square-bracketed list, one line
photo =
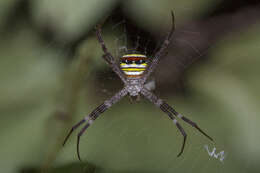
[(108, 56), (170, 111), (94, 115), (159, 103)]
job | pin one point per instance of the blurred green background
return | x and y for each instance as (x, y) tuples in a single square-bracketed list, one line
[(52, 74)]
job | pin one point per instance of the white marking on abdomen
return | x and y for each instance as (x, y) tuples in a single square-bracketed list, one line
[(133, 72)]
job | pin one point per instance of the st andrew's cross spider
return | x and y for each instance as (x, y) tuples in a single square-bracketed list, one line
[(134, 70)]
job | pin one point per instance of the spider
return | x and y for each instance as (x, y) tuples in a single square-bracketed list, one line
[(134, 70)]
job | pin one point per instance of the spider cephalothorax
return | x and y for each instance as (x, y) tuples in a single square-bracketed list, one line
[(134, 71)]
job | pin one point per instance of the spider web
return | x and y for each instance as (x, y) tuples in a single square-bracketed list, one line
[(131, 39)]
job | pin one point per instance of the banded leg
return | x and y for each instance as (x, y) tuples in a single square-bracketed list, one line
[(159, 103), (108, 56), (160, 52), (193, 124), (94, 115)]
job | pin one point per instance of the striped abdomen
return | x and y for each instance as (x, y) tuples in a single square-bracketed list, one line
[(133, 65)]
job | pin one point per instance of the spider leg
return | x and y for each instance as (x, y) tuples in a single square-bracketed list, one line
[(94, 115), (72, 129), (160, 52), (193, 124), (159, 103), (178, 126), (108, 56), (80, 134)]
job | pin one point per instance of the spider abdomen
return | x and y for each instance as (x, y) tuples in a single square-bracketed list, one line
[(133, 65)]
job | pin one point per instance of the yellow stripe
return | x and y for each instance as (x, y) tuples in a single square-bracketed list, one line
[(133, 69), (134, 55)]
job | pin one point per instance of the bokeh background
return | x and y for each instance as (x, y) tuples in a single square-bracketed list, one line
[(52, 74)]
